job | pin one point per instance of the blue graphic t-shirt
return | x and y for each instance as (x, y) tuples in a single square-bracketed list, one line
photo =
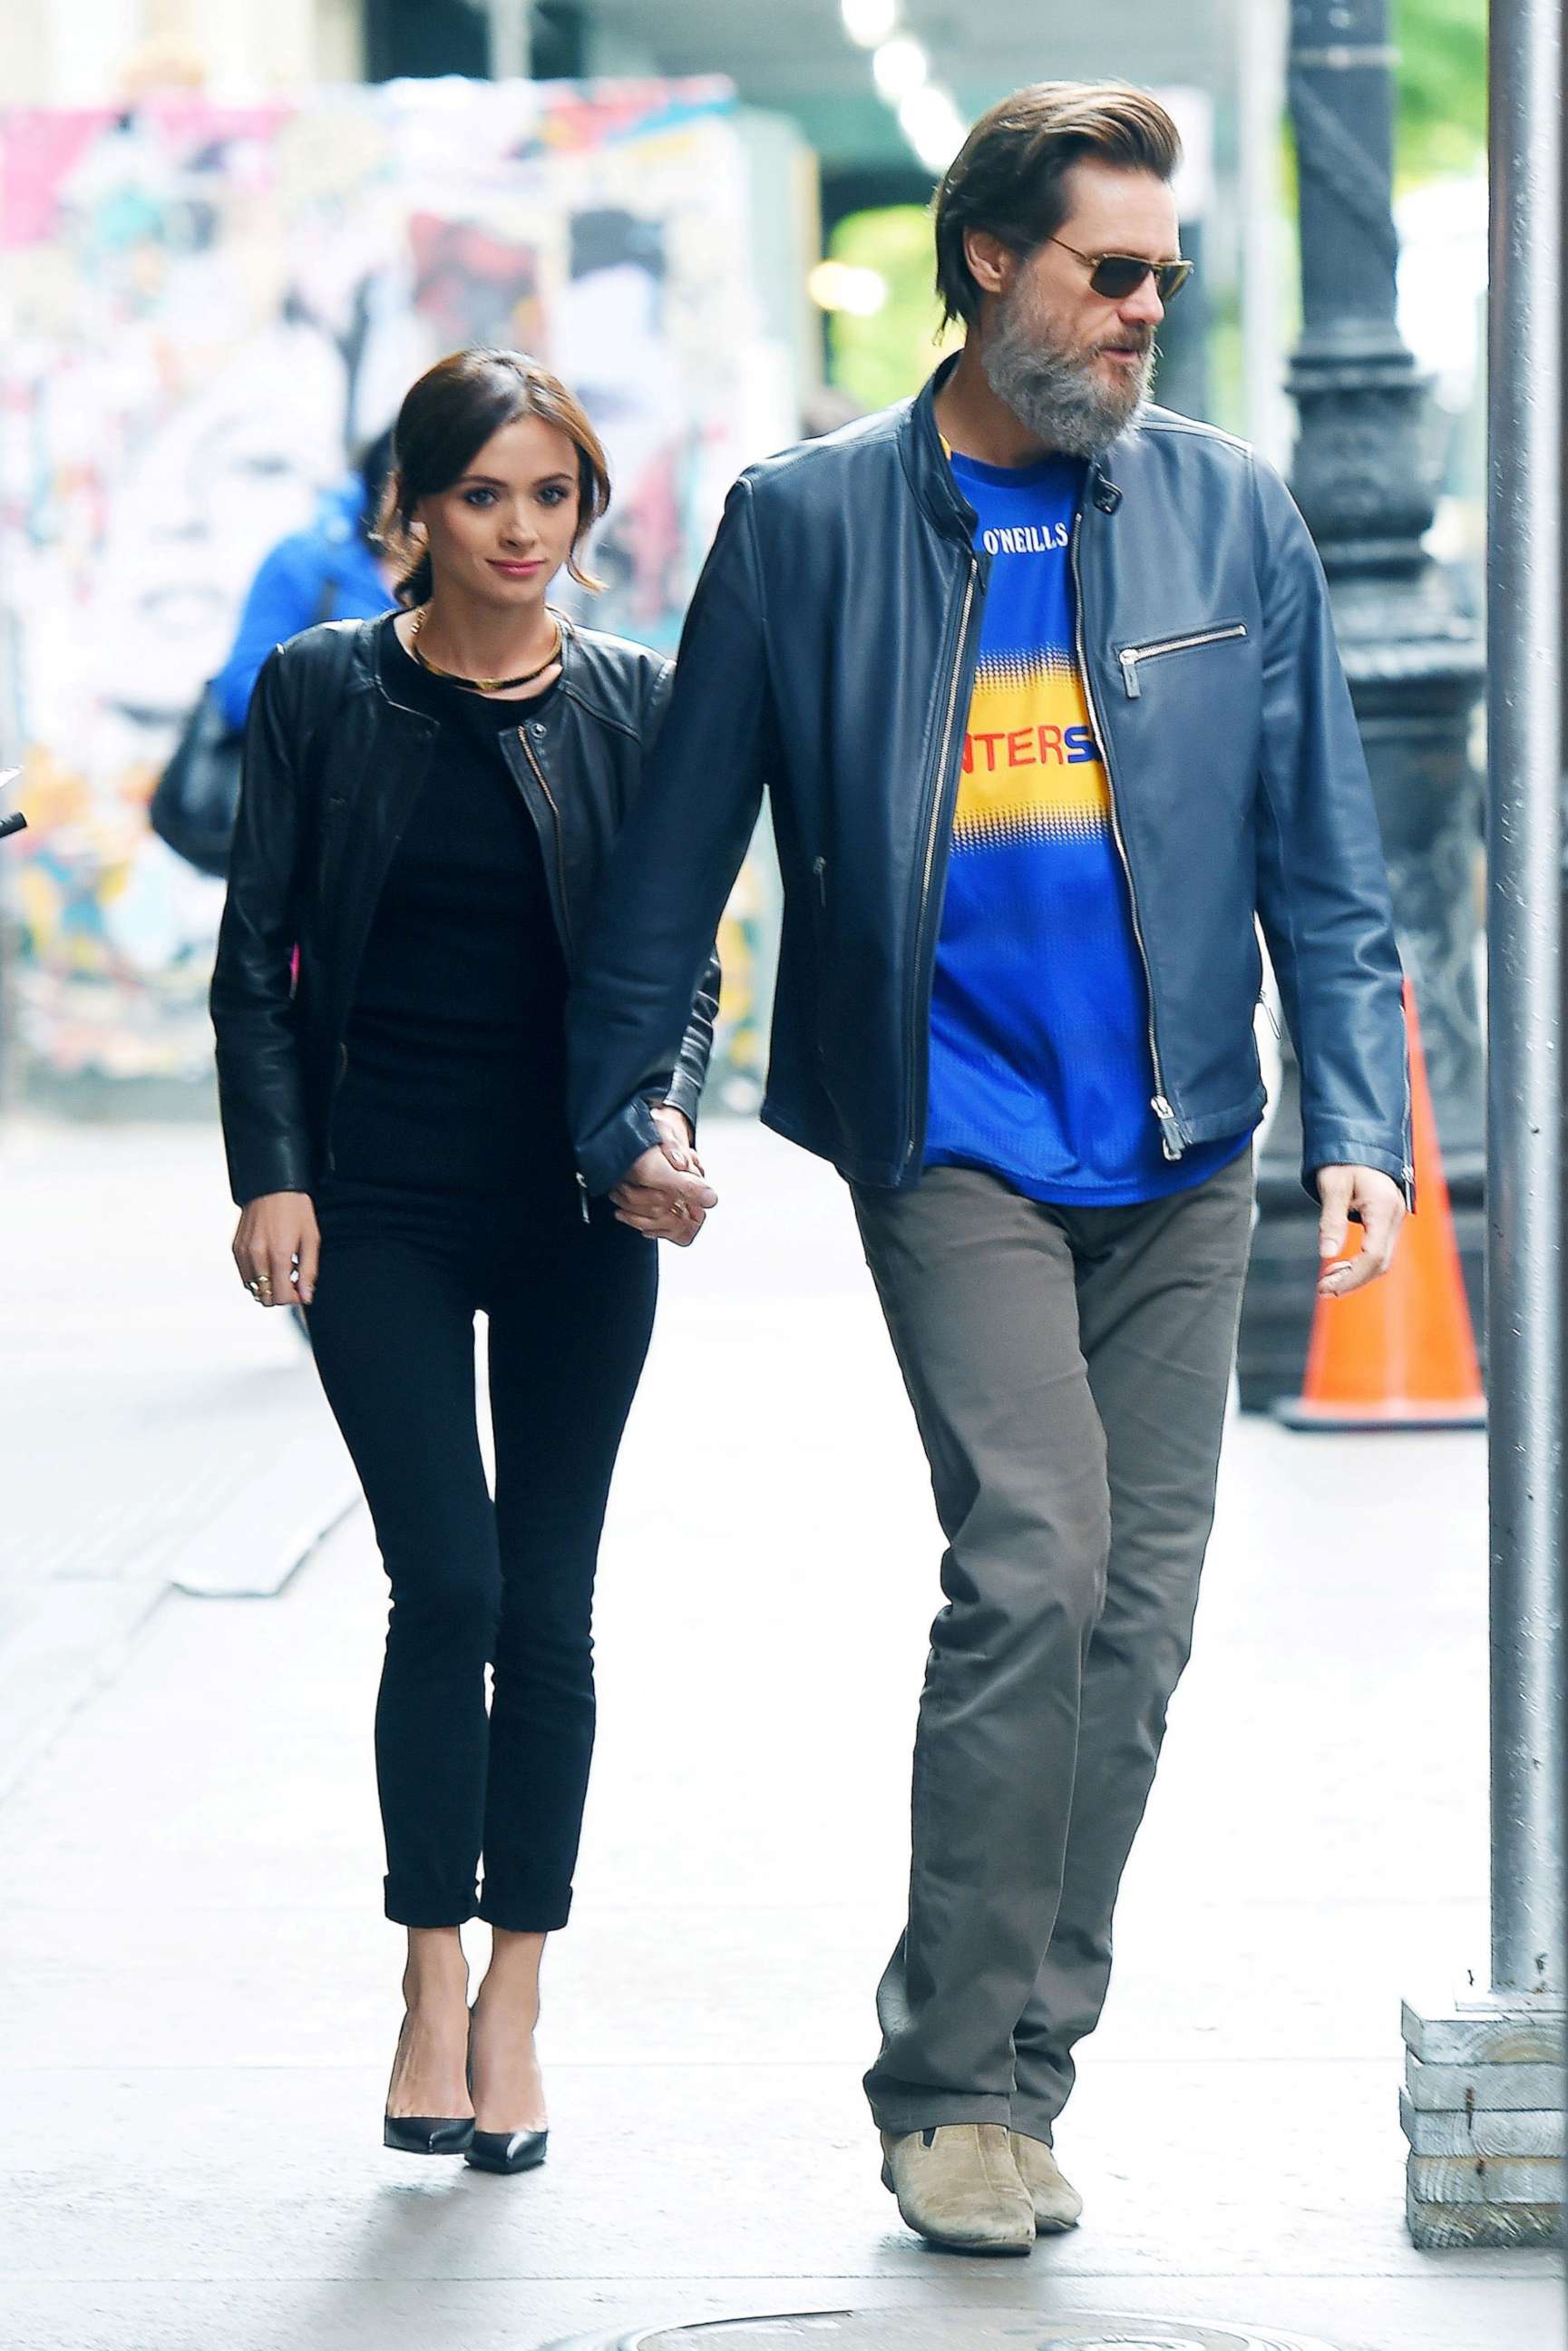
[(1042, 1066)]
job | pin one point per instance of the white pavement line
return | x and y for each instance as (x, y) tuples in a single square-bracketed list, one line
[(198, 1584), (100, 1664), (71, 1689), (981, 2327)]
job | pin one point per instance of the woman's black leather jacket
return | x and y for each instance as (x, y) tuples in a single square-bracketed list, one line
[(333, 765)]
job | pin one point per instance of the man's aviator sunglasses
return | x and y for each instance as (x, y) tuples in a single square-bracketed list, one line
[(1116, 275)]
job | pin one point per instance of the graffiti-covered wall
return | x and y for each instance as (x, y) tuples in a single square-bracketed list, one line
[(211, 310)]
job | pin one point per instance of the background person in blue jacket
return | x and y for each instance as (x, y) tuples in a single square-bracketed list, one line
[(327, 572)]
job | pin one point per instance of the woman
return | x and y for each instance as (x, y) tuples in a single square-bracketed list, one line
[(428, 798)]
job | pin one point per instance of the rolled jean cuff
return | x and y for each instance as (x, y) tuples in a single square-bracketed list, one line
[(420, 1911), (524, 1914), (900, 2107)]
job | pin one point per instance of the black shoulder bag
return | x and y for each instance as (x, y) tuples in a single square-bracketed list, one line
[(196, 799)]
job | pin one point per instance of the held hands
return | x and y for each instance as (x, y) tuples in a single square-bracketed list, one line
[(1380, 1205), (663, 1194), (278, 1248)]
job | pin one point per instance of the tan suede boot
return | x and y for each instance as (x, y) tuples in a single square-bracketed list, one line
[(959, 2186), (1057, 2203)]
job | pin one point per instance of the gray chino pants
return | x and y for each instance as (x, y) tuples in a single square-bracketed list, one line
[(1068, 1369)]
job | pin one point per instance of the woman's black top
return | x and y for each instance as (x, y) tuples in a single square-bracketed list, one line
[(455, 1078)]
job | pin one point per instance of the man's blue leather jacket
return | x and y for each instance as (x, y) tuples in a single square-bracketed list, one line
[(829, 655)]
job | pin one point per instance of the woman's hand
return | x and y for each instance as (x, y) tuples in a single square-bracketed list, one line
[(278, 1248), (664, 1196), (675, 1137)]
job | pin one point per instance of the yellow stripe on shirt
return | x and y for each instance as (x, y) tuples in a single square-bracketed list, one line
[(1030, 766)]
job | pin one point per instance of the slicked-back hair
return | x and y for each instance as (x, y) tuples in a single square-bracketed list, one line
[(1009, 176), (445, 420)]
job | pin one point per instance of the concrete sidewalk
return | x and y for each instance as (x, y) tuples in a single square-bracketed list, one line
[(144, 1405), (202, 1996)]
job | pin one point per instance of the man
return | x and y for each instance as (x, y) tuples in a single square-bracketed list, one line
[(1043, 683)]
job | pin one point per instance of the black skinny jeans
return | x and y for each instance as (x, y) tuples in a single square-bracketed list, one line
[(509, 1582)]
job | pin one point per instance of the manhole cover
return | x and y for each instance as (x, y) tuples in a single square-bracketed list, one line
[(943, 2330)]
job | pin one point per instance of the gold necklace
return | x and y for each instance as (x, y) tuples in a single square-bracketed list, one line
[(480, 684)]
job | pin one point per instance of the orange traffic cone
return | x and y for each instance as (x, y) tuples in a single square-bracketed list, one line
[(1400, 1354)]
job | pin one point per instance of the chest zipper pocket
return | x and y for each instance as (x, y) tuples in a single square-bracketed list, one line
[(1131, 656)]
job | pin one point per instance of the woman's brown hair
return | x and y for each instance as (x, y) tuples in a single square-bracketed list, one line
[(1010, 175), (445, 422)]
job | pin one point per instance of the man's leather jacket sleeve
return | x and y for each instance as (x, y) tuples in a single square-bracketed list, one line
[(261, 1090), (1322, 890), (674, 863)]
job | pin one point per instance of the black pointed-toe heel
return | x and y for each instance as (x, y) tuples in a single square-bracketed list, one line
[(521, 2150), (428, 2134)]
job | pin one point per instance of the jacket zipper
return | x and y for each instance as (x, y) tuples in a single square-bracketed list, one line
[(1131, 655), (911, 1068), (819, 867), (1171, 1141), (559, 840), (427, 736)]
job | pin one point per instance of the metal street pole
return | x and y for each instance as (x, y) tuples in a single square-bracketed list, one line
[(1485, 2090), (1524, 1253), (1260, 93), (510, 38), (1364, 476)]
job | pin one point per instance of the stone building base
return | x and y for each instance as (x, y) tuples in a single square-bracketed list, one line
[(1482, 2109)]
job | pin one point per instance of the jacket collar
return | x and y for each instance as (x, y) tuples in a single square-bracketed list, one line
[(931, 476), (925, 462)]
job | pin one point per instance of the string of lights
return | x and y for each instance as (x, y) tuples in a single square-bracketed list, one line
[(927, 114)]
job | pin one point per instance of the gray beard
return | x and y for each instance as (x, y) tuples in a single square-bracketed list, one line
[(1055, 393)]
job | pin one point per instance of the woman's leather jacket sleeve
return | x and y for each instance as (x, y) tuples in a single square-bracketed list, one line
[(262, 1092), (684, 1091)]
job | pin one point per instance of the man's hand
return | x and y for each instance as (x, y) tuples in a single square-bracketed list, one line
[(1378, 1200), (663, 1194)]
